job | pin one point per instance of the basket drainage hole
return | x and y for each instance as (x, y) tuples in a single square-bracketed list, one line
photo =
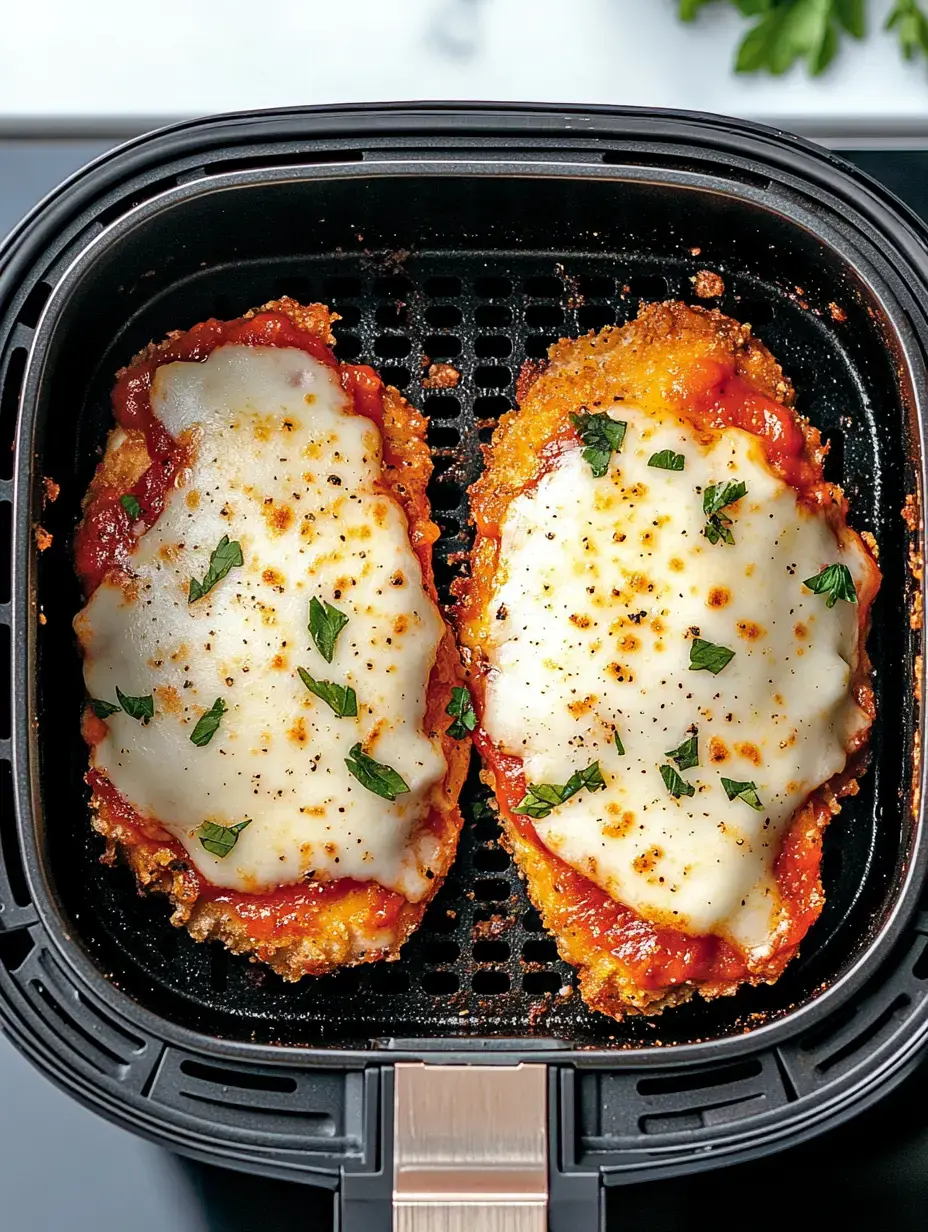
[(543, 287), (492, 316), (395, 375), (493, 288), (440, 952), (539, 951), (443, 288), (392, 346), (492, 377), (393, 286), (442, 346), (536, 345), (594, 316), (492, 346), (490, 982), (492, 860), (439, 983), (348, 346), (492, 890), (392, 316), (544, 316), (541, 981), (442, 406), (649, 287), (341, 287), (490, 951), (443, 316)]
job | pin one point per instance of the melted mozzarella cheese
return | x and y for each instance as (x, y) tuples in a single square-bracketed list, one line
[(280, 464), (603, 585)]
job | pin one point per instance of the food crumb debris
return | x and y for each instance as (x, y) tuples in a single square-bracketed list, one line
[(707, 284), (43, 539), (837, 313), (52, 490), (441, 376), (695, 252), (43, 620)]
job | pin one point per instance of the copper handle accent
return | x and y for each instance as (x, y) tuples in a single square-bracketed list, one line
[(470, 1145)]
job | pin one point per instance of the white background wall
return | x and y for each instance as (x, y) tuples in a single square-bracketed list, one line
[(184, 57)]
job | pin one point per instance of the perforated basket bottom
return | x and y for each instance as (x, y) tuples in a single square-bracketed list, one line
[(481, 964)]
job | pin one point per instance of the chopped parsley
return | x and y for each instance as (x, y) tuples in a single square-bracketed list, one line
[(374, 775), (208, 723), (834, 582), (325, 624), (541, 798), (743, 791), (103, 709), (620, 747), (602, 436), (686, 755), (461, 709), (675, 785), (226, 556), (342, 699), (667, 460), (219, 840), (141, 708), (708, 657), (715, 498), (480, 811), (131, 505)]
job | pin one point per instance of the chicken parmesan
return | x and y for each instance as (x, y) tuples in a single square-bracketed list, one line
[(269, 677), (665, 628)]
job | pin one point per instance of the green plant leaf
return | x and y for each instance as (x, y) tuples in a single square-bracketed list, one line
[(686, 755), (852, 16), (374, 775), (708, 657), (602, 436), (225, 556), (141, 708), (667, 460), (325, 624), (743, 791), (219, 840), (909, 21), (461, 709), (103, 709), (207, 723), (541, 798), (131, 505), (675, 785), (340, 698), (619, 746), (835, 582)]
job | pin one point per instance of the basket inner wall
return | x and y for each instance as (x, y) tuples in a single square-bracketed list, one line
[(463, 290)]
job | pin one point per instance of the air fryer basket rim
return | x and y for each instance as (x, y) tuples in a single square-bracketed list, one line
[(136, 219), (144, 1094)]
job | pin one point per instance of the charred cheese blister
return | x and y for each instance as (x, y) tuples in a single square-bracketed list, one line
[(603, 584), (280, 464)]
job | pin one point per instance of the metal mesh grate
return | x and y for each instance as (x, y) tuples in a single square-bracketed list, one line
[(481, 964)]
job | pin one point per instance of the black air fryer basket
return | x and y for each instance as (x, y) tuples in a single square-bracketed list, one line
[(475, 236)]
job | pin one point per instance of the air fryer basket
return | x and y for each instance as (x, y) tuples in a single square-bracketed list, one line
[(475, 238)]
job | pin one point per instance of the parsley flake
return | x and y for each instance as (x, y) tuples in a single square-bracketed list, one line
[(715, 498), (541, 798), (131, 505), (743, 791), (103, 709), (325, 624), (374, 775), (835, 582), (342, 700), (141, 708), (225, 556), (708, 657), (686, 755), (667, 460), (620, 747), (602, 436), (219, 840), (461, 709), (675, 785), (207, 723)]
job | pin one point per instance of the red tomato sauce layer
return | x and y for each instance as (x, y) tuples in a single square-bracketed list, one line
[(107, 533), (105, 539)]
